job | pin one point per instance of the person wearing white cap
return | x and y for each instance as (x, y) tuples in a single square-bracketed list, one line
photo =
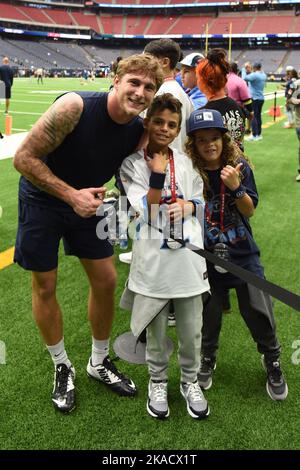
[(189, 79)]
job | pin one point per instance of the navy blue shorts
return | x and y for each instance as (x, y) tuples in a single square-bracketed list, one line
[(7, 92), (40, 230)]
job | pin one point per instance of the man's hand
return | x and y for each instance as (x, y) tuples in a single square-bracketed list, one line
[(230, 176), (85, 202), (159, 162)]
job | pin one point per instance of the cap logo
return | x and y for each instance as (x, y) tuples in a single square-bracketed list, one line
[(206, 116)]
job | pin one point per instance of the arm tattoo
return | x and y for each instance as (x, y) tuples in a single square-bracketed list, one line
[(46, 135)]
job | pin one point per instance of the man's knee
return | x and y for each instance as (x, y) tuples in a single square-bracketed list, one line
[(108, 281), (105, 279), (44, 286)]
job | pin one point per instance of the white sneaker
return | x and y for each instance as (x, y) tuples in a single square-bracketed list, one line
[(126, 257), (196, 403), (171, 319), (298, 178), (157, 403)]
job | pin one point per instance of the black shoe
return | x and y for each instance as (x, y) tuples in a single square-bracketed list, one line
[(204, 376), (276, 385), (63, 395), (114, 379)]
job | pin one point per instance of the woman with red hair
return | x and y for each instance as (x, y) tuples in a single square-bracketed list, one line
[(212, 78)]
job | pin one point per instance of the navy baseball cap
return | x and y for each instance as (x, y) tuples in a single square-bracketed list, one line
[(205, 119)]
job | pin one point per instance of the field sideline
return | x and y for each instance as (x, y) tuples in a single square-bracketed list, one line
[(242, 415)]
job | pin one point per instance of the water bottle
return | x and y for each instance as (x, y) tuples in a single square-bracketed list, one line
[(123, 241)]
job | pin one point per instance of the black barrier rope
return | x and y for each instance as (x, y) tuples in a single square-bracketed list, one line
[(285, 296)]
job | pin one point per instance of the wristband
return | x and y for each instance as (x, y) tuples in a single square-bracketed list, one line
[(157, 180), (239, 192), (195, 206)]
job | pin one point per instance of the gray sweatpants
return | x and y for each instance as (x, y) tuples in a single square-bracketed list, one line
[(188, 325)]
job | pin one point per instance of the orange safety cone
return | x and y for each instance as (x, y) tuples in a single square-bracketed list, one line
[(8, 125), (274, 111)]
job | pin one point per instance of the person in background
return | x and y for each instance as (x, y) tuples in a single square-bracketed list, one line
[(212, 73), (168, 53), (7, 76), (40, 75), (245, 70), (189, 78), (291, 77), (257, 81), (238, 90), (294, 99)]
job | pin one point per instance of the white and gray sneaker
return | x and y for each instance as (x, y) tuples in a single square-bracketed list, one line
[(157, 403), (196, 403), (112, 377), (63, 395)]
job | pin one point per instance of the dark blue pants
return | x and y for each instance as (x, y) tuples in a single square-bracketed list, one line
[(257, 312), (256, 121)]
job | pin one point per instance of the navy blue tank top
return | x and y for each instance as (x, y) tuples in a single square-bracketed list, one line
[(91, 154)]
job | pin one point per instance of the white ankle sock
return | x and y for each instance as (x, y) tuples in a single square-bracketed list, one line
[(100, 349), (59, 354)]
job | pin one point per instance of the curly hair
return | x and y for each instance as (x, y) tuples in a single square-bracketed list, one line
[(231, 155), (212, 72)]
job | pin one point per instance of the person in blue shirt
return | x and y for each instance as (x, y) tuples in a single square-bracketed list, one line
[(231, 197), (189, 79), (257, 81)]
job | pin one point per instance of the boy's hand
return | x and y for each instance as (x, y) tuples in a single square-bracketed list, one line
[(180, 210), (230, 176), (159, 162)]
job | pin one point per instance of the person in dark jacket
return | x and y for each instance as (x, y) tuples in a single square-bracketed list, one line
[(6, 76)]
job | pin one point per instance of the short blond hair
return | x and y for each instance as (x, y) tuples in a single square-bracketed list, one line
[(145, 64)]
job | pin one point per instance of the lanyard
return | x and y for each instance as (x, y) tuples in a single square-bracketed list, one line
[(208, 215), (172, 174)]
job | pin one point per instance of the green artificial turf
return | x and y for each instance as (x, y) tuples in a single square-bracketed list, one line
[(242, 415)]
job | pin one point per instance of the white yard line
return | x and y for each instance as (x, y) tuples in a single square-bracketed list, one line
[(23, 112), (34, 101), (9, 144)]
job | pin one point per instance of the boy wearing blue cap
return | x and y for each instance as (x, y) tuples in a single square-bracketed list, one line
[(231, 197)]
